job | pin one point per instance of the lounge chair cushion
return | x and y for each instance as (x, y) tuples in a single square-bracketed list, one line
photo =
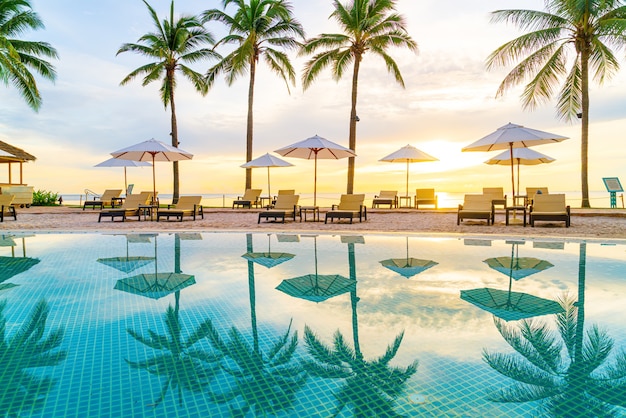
[(349, 207), (425, 197), (476, 206), (386, 197), (6, 207), (186, 206), (549, 207), (249, 198), (286, 206)]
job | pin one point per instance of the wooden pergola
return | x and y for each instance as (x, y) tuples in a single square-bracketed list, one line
[(11, 155)]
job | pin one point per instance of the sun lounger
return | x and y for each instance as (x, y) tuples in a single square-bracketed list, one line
[(476, 206), (549, 207), (106, 199), (186, 206), (497, 195), (425, 197), (286, 206), (531, 192), (349, 207), (6, 208), (386, 197), (130, 207), (249, 198), (281, 192)]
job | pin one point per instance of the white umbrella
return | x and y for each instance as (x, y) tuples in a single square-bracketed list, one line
[(114, 162), (521, 156), (152, 150), (268, 161), (512, 136), (408, 154), (316, 148)]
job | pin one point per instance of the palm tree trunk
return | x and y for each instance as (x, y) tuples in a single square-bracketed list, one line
[(252, 295), (174, 134), (250, 126), (584, 137), (353, 116), (354, 300)]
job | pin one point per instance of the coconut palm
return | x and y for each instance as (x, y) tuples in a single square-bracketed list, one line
[(565, 45), (18, 57), (368, 26), (370, 386), (181, 365), (20, 390), (568, 372), (258, 28), (175, 43)]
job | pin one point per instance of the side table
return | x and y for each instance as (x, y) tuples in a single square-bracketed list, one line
[(515, 209), (315, 210), (408, 201)]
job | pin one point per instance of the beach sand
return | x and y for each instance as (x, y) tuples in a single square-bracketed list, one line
[(587, 223)]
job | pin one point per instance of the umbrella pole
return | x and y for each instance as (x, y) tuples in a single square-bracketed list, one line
[(269, 192), (518, 164), (125, 181), (153, 184), (512, 169), (407, 179), (315, 183)]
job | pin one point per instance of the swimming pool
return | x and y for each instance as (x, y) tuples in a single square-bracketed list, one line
[(233, 324)]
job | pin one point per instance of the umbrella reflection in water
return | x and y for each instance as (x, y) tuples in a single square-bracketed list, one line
[(12, 266), (268, 258), (408, 266), (129, 263), (316, 287), (509, 305)]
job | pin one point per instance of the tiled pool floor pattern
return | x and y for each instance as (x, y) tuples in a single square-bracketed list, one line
[(230, 344)]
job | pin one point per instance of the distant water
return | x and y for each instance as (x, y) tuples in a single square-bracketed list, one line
[(599, 199)]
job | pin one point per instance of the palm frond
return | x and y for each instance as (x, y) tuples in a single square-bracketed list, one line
[(320, 352), (596, 349), (314, 67), (326, 371), (521, 393), (517, 369), (341, 63), (570, 98)]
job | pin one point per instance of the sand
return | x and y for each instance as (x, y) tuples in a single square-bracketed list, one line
[(594, 223)]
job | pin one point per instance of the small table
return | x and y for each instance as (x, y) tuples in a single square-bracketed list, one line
[(515, 209), (146, 210), (315, 210), (264, 199), (117, 201), (408, 201)]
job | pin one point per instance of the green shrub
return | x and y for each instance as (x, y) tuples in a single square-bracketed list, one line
[(45, 198)]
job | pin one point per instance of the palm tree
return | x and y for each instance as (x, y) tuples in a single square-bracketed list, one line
[(370, 386), (258, 28), (266, 382), (588, 29), (18, 57), (175, 43), (182, 366), (21, 391), (568, 373), (368, 25)]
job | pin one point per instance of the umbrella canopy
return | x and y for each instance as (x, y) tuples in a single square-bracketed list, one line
[(518, 267), (521, 156), (316, 148), (408, 267), (152, 150), (116, 162), (408, 154), (268, 259), (316, 288), (155, 285), (512, 136), (267, 160), (12, 266), (126, 264), (510, 306)]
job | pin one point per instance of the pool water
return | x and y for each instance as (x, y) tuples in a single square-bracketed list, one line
[(293, 325)]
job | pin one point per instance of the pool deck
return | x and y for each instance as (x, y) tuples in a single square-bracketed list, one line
[(602, 223)]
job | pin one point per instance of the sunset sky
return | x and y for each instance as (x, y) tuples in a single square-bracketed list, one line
[(449, 102)]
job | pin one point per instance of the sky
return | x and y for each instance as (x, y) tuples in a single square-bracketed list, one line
[(448, 102)]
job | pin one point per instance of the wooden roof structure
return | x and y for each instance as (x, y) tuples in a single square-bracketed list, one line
[(17, 155)]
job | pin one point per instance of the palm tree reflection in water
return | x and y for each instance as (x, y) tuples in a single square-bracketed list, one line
[(569, 373), (370, 387), (265, 383), (22, 392)]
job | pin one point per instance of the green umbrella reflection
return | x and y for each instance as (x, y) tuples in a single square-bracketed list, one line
[(408, 266), (316, 287), (509, 305), (12, 266), (155, 285), (129, 263), (268, 258)]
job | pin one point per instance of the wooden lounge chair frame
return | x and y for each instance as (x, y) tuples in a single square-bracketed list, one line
[(550, 207), (476, 206), (386, 197), (186, 206), (349, 207), (249, 198), (6, 206), (130, 207), (497, 194), (286, 206), (107, 198), (425, 197), (281, 192)]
